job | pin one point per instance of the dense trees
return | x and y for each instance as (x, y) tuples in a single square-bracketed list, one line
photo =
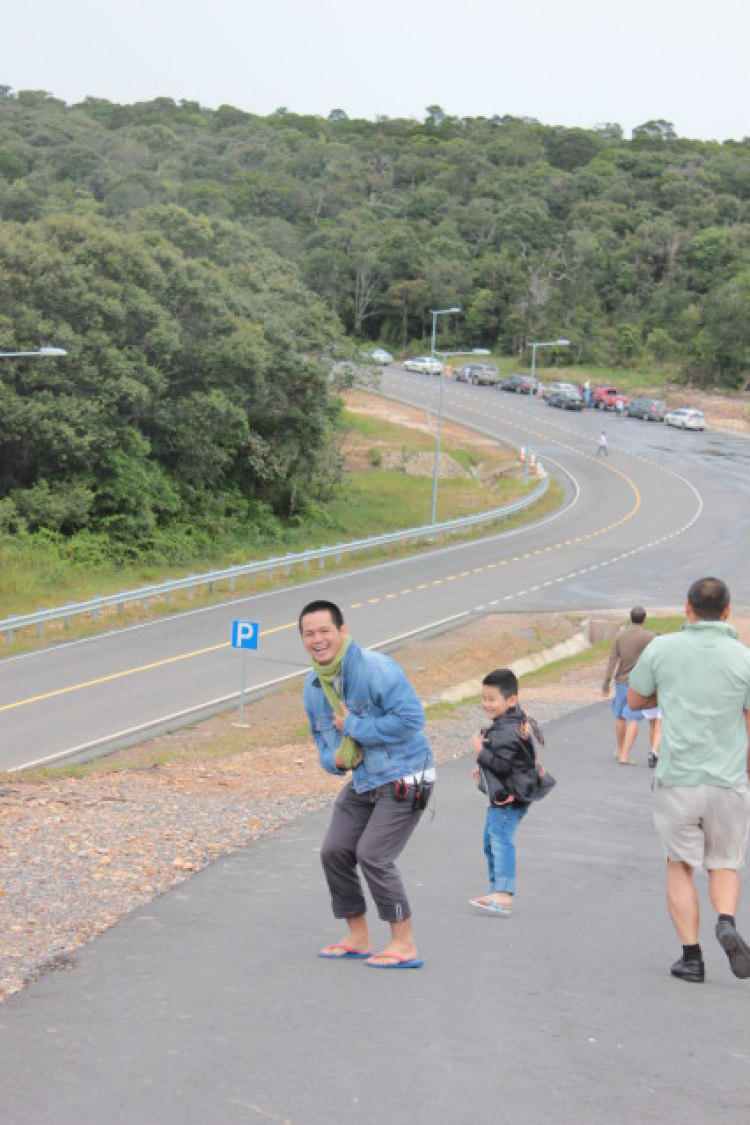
[(190, 392), (198, 264)]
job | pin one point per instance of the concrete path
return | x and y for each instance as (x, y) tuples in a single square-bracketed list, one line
[(209, 1007)]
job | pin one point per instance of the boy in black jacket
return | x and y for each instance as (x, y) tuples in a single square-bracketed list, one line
[(507, 772)]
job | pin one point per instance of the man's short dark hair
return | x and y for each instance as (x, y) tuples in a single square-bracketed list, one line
[(504, 680), (321, 606), (709, 598), (637, 615)]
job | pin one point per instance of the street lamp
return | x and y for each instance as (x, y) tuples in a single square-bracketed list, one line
[(435, 314), (44, 351), (532, 393), (445, 356)]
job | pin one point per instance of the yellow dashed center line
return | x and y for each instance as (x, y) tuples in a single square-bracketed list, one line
[(355, 605), (135, 671)]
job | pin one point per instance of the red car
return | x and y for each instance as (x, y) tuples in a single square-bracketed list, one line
[(606, 398)]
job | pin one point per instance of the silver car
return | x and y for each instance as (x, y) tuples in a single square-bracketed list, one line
[(424, 363), (685, 418), (381, 356)]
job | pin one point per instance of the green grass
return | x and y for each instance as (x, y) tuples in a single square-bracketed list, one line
[(597, 652), (551, 672), (658, 382), (373, 502)]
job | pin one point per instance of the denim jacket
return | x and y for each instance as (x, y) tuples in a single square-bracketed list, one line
[(385, 716)]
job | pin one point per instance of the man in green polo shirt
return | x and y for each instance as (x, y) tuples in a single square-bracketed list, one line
[(700, 678)]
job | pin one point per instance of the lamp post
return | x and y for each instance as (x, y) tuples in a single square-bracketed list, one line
[(532, 393), (45, 351), (445, 356), (435, 314)]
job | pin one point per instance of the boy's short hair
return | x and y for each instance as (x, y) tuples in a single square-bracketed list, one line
[(637, 615), (504, 680), (322, 606)]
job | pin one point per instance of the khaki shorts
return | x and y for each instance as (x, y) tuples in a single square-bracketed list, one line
[(703, 825)]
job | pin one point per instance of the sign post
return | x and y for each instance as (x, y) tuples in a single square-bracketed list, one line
[(244, 636)]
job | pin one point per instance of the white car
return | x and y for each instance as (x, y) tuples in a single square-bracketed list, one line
[(424, 363), (381, 356), (685, 418)]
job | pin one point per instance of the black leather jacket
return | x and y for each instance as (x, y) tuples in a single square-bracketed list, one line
[(507, 762)]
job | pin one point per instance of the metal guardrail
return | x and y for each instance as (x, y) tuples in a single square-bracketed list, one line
[(283, 562)]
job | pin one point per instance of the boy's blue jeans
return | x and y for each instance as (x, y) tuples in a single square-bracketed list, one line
[(499, 833)]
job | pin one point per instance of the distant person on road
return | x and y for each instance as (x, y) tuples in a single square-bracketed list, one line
[(619, 408), (366, 718), (700, 677), (601, 445), (587, 392), (507, 772), (627, 645)]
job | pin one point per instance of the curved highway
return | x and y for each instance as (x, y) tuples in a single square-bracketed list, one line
[(665, 507)]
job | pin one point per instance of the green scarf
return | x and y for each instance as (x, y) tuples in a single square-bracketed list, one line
[(350, 750)]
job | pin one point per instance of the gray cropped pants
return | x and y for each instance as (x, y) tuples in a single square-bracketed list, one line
[(369, 830)]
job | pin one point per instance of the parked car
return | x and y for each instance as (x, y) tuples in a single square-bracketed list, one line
[(569, 398), (519, 384), (381, 356), (483, 374), (650, 409), (553, 388), (685, 418), (424, 363), (606, 398)]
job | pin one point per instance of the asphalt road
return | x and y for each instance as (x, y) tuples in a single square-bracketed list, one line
[(209, 1004), (665, 507)]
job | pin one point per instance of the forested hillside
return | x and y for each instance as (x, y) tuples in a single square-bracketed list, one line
[(198, 265)]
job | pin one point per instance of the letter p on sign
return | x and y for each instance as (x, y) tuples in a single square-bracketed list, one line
[(245, 634)]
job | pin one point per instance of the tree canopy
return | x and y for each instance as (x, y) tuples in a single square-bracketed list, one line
[(199, 264)]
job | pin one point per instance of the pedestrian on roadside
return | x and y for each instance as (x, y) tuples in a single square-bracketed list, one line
[(507, 771), (601, 445), (366, 718), (700, 677), (627, 645), (653, 716), (619, 408)]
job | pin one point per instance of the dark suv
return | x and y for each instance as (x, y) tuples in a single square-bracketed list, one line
[(519, 384), (650, 409)]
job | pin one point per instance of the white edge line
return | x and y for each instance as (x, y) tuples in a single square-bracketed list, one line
[(212, 703), (330, 577)]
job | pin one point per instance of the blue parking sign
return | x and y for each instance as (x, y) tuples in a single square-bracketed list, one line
[(245, 634)]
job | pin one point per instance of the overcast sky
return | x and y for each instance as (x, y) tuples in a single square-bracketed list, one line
[(579, 62)]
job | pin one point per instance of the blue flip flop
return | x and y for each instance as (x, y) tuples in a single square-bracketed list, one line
[(491, 907), (398, 962), (347, 955)]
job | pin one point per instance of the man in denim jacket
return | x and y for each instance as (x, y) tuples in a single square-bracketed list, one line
[(365, 715)]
